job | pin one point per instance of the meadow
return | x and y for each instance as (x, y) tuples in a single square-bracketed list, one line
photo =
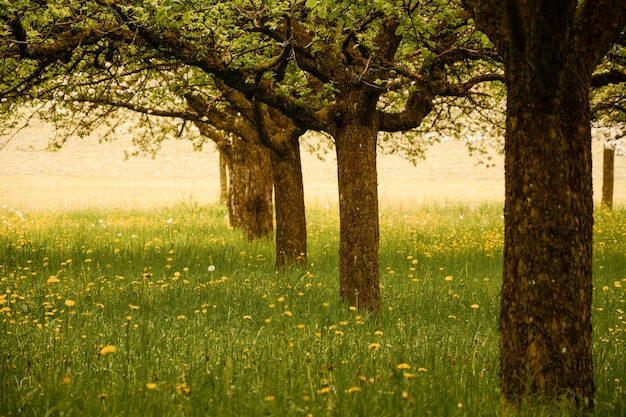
[(168, 312)]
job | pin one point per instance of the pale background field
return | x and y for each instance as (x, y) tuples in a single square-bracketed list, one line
[(87, 174)]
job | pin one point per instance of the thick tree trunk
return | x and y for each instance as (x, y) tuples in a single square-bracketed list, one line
[(355, 142), (289, 204), (608, 177), (250, 199), (545, 321)]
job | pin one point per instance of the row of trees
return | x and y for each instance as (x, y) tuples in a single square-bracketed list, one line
[(254, 76)]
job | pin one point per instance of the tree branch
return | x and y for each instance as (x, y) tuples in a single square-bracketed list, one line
[(607, 106), (488, 16), (420, 101), (606, 78), (599, 25)]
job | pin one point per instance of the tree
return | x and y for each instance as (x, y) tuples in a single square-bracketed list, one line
[(325, 65), (608, 114), (348, 56), (123, 75), (550, 50), (279, 137)]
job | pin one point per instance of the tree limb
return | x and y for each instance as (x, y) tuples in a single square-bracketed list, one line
[(599, 25), (606, 78)]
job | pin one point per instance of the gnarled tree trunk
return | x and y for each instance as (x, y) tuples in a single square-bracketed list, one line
[(291, 242), (545, 321), (280, 135), (250, 198), (355, 141)]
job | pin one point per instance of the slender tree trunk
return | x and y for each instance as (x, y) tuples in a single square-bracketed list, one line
[(545, 321), (608, 177), (223, 178), (289, 204), (250, 198), (355, 142)]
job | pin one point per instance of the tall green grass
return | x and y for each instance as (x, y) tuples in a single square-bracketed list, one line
[(118, 313)]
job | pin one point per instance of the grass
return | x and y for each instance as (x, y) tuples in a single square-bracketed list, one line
[(118, 313)]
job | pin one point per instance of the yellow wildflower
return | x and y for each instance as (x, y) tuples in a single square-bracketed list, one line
[(106, 350)]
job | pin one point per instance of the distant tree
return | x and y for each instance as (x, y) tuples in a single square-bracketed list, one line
[(276, 133), (550, 50), (608, 113)]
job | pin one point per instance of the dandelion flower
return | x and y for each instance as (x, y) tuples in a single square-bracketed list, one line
[(409, 375), (53, 280), (211, 268), (270, 398), (374, 346), (182, 388), (404, 366), (474, 306), (247, 317), (133, 307), (354, 389), (107, 349), (70, 303), (448, 278), (288, 313), (151, 385), (422, 370)]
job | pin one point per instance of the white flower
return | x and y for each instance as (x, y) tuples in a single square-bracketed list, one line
[(211, 268)]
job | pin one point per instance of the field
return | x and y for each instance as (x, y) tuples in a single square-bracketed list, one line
[(168, 312), (124, 294), (86, 174)]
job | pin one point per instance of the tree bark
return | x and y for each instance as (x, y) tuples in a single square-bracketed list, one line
[(223, 178), (355, 143), (279, 134), (250, 198), (291, 235), (545, 321), (608, 177), (550, 50)]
